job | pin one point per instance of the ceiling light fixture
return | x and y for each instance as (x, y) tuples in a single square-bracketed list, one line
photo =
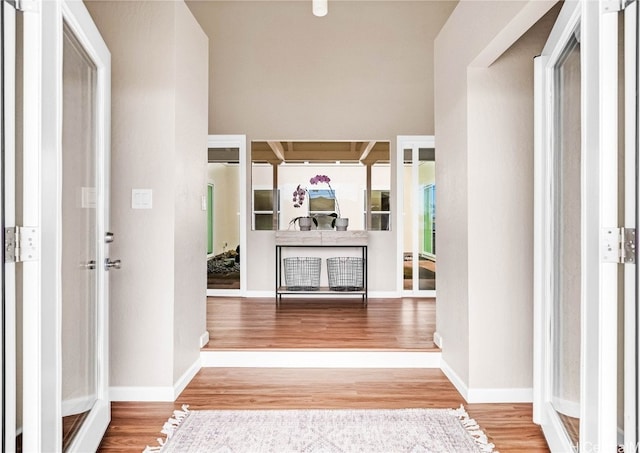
[(320, 7)]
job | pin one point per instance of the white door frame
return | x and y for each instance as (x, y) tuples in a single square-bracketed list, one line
[(7, 180), (239, 142), (414, 142), (632, 126), (42, 405), (598, 35)]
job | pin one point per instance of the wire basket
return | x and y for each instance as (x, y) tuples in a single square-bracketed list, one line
[(345, 273), (302, 273)]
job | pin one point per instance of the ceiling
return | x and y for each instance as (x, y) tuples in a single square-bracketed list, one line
[(276, 152)]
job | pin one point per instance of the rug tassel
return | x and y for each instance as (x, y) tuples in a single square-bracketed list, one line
[(170, 427), (474, 430)]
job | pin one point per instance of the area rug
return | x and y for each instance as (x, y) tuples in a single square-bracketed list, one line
[(326, 431)]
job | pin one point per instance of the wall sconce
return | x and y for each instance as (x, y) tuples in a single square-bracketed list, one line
[(320, 7)]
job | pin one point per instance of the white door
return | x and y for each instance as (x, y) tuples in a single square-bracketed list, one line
[(576, 385), (66, 106), (237, 146), (416, 231)]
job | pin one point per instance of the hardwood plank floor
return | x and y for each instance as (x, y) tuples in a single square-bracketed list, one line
[(135, 425), (384, 324), (392, 324)]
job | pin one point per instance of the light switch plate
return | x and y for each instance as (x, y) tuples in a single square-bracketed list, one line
[(141, 198)]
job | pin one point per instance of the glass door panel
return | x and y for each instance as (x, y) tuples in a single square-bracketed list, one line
[(566, 311), (79, 238), (409, 224), (426, 211), (223, 263), (416, 171)]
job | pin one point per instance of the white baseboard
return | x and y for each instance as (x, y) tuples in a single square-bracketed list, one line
[(437, 339), (506, 395), (260, 294), (204, 339), (456, 380), (319, 359), (159, 394), (486, 395), (385, 294), (186, 377), (372, 294)]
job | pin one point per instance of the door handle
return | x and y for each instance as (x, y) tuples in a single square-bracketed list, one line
[(115, 264)]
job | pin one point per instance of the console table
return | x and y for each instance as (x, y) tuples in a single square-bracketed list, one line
[(320, 239)]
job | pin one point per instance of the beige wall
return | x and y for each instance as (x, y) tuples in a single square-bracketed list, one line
[(190, 163), (484, 131), (157, 121), (365, 71)]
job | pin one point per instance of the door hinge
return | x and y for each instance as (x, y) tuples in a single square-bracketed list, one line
[(615, 6), (21, 244), (619, 245)]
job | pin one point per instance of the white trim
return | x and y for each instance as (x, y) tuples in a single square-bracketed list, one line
[(258, 294), (598, 386), (405, 142), (159, 394), (498, 395), (41, 130), (456, 380), (7, 178), (539, 245), (486, 395), (630, 431), (319, 359), (262, 294), (186, 377), (204, 339), (240, 142), (150, 394)]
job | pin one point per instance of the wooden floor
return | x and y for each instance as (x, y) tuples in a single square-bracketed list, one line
[(320, 324), (384, 324)]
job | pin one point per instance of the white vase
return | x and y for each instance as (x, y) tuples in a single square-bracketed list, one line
[(342, 223), (305, 223)]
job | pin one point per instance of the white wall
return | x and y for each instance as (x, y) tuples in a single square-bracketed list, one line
[(484, 129), (158, 297)]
